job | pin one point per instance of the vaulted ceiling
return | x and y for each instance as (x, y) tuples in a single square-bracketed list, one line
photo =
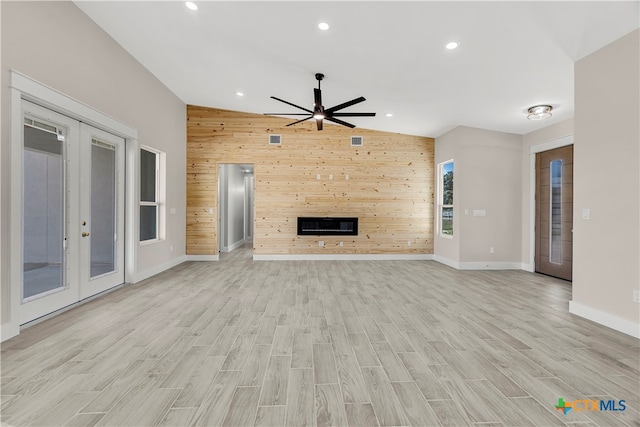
[(511, 55)]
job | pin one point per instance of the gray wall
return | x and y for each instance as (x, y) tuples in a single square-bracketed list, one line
[(487, 176), (58, 45), (607, 179)]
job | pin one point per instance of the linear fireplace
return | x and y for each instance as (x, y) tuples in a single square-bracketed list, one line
[(319, 226)]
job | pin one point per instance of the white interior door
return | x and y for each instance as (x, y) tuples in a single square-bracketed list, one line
[(102, 169), (72, 187)]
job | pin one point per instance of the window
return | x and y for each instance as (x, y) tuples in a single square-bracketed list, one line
[(445, 198), (150, 195)]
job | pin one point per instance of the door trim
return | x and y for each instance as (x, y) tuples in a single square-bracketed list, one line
[(24, 87), (533, 150)]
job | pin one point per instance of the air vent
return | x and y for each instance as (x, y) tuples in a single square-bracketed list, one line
[(356, 141), (275, 139)]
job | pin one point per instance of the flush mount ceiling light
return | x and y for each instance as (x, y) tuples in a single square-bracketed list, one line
[(323, 26), (539, 112), (389, 114), (452, 45), (239, 93), (191, 5)]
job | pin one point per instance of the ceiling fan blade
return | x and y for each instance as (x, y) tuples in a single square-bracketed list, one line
[(319, 124), (352, 115), (286, 114), (317, 97), (345, 105), (340, 122), (301, 120), (293, 105)]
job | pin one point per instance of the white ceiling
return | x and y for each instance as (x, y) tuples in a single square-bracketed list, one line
[(512, 55)]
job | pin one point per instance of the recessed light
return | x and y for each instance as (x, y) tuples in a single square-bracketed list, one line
[(389, 114), (191, 5), (539, 112), (452, 45), (323, 26), (239, 93)]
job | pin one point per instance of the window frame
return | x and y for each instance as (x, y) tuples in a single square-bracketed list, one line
[(441, 205), (159, 202)]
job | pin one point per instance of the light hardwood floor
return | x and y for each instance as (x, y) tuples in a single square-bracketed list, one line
[(358, 343)]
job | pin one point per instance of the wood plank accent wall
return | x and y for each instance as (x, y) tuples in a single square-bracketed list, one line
[(390, 186)]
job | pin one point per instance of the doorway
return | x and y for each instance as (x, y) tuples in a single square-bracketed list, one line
[(554, 212), (236, 190), (73, 201)]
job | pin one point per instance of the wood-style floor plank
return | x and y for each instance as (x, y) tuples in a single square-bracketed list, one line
[(362, 343), (388, 409), (300, 398), (276, 381), (361, 415), (270, 416), (329, 406), (243, 407)]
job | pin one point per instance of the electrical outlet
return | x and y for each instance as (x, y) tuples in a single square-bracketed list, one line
[(318, 176), (408, 242), (492, 250), (341, 243), (636, 296), (330, 177), (321, 243), (346, 177)]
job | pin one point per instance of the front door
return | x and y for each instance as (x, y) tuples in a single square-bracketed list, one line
[(72, 212), (554, 212)]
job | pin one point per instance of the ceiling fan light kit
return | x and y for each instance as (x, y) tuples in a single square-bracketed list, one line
[(319, 113)]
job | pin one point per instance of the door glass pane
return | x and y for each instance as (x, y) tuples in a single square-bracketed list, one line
[(103, 208), (43, 213), (555, 237)]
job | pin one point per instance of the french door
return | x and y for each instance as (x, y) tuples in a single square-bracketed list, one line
[(554, 212), (72, 213)]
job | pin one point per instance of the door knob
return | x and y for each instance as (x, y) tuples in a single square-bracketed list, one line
[(85, 234)]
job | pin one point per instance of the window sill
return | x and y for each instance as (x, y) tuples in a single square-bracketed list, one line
[(150, 242), (446, 236)]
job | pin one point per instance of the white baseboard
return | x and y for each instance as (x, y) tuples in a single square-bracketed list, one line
[(236, 245), (609, 320), (491, 265), (9, 330), (233, 246), (446, 261), (202, 258), (341, 257), (479, 265), (142, 275), (528, 267)]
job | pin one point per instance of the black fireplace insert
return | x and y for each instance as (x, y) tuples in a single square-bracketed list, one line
[(319, 226)]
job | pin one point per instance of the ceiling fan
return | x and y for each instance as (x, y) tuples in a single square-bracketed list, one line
[(320, 113)]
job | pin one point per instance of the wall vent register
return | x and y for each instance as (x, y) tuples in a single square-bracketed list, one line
[(275, 139), (357, 141), (319, 226)]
